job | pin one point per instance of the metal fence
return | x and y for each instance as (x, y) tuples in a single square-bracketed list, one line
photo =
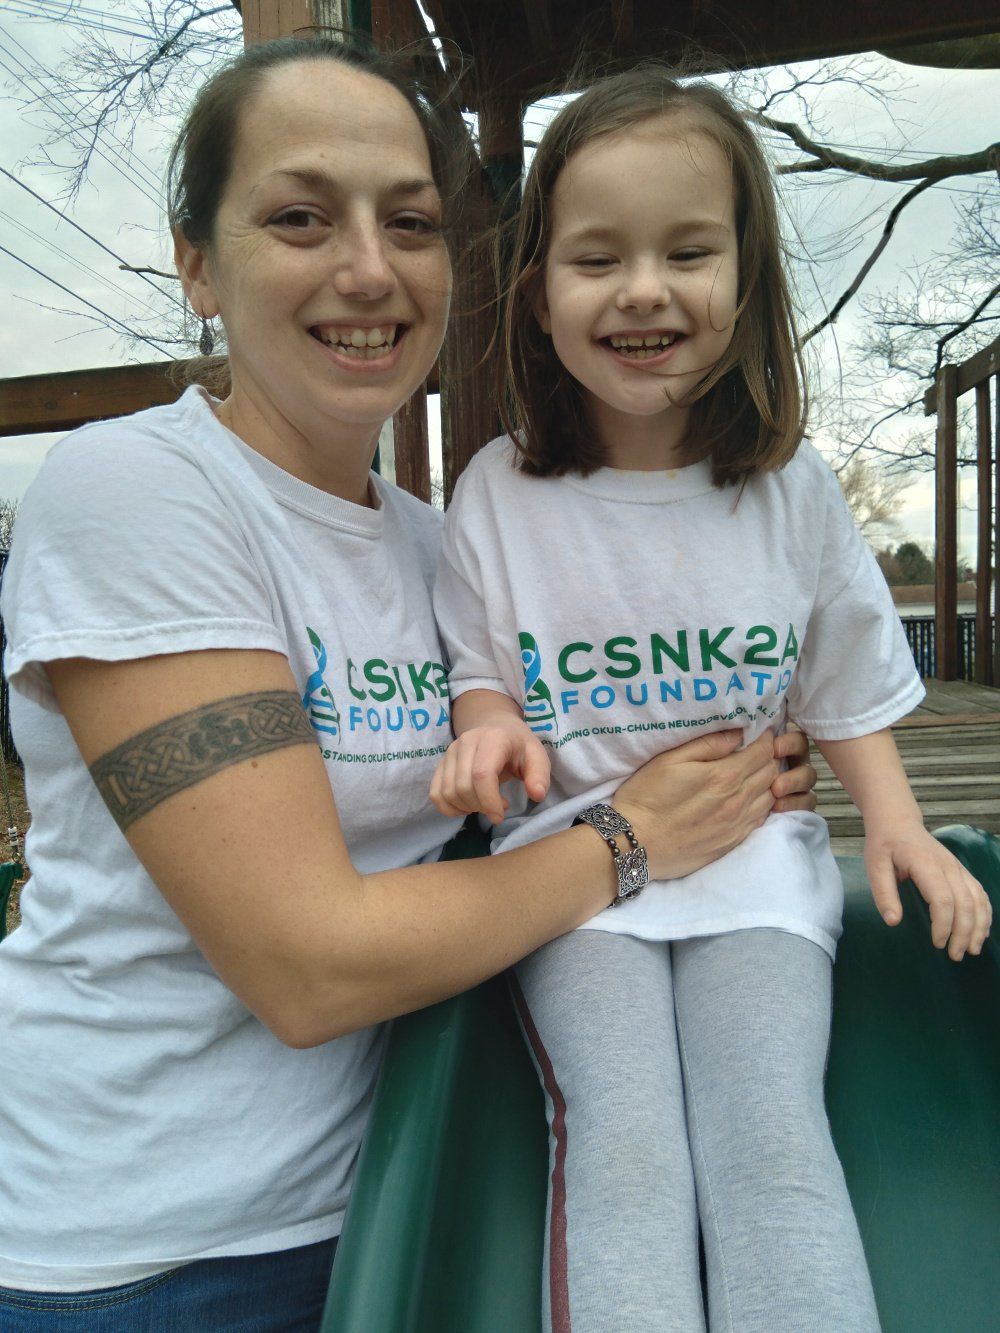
[(920, 637), (6, 739)]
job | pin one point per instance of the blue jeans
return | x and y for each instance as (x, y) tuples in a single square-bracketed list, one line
[(282, 1292)]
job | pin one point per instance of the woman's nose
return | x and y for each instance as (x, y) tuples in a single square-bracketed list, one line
[(363, 268)]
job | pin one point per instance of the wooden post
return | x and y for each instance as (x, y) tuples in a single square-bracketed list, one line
[(469, 416), (946, 526), (984, 579), (395, 23), (410, 447), (265, 20), (996, 532)]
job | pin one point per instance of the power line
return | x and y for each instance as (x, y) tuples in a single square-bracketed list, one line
[(83, 300), (81, 265), (53, 93), (83, 231)]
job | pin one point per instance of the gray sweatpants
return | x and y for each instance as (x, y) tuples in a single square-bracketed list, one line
[(684, 1090)]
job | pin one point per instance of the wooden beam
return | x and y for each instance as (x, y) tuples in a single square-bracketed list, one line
[(984, 524), (946, 525), (63, 401), (970, 373)]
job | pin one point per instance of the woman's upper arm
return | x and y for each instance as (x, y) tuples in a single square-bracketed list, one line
[(211, 768)]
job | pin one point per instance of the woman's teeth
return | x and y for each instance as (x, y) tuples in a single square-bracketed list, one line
[(363, 344), (641, 346)]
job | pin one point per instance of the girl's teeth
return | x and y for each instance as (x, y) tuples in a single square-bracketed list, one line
[(636, 346)]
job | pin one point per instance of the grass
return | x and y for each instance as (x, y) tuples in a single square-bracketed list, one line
[(15, 777)]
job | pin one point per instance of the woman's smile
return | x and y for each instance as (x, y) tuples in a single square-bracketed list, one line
[(329, 269)]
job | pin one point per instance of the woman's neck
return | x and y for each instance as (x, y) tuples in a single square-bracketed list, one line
[(336, 464)]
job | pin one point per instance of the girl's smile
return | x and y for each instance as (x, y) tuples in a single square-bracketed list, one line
[(641, 281)]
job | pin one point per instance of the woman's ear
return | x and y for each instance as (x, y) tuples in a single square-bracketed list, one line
[(193, 268)]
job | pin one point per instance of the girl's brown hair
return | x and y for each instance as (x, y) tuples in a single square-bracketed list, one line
[(748, 412)]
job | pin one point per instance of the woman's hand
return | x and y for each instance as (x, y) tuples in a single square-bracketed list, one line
[(692, 804), (793, 789)]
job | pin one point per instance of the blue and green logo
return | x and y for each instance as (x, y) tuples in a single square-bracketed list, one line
[(318, 698), (539, 710)]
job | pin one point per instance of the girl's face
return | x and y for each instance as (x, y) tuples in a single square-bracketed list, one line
[(327, 263), (641, 280)]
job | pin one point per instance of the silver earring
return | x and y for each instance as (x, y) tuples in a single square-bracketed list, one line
[(206, 343)]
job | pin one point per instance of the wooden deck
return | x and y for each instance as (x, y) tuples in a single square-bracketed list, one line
[(951, 750)]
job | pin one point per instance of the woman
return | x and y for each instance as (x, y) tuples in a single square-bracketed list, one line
[(217, 920)]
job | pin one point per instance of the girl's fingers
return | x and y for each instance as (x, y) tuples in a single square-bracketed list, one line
[(537, 770), (885, 891), (963, 930), (479, 777)]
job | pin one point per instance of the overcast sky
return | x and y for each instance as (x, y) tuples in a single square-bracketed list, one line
[(942, 112)]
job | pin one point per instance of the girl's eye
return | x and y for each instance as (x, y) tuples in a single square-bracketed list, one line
[(595, 261), (689, 256), (297, 219)]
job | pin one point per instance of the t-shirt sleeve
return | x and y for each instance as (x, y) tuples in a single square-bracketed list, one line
[(856, 674), (460, 594), (124, 548)]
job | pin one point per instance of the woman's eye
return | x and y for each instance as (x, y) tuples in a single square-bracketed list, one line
[(415, 224), (297, 219)]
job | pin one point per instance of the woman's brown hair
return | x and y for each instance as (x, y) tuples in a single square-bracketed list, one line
[(748, 412), (202, 156)]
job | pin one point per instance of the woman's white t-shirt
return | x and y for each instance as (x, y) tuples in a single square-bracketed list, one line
[(148, 1118)]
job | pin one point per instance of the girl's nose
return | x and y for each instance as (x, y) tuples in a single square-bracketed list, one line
[(646, 288), (363, 271)]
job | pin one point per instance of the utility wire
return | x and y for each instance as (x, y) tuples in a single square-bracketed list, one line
[(81, 265), (83, 300), (83, 231), (68, 112)]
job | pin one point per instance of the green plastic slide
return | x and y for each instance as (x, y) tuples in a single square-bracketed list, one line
[(444, 1230)]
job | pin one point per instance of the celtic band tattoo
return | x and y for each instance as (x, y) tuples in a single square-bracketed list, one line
[(181, 751)]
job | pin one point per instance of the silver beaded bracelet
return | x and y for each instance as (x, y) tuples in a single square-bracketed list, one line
[(632, 866)]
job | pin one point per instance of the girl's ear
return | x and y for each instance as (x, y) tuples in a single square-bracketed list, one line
[(539, 301), (194, 271)]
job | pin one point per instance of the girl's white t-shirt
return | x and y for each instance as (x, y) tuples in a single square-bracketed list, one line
[(148, 1117), (628, 612)]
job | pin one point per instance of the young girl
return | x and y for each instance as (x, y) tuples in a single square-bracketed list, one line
[(652, 553)]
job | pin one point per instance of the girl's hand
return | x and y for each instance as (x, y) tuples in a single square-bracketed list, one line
[(468, 777), (793, 789), (692, 804), (960, 910)]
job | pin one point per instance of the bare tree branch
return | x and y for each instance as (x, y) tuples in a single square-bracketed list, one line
[(890, 226), (825, 158)]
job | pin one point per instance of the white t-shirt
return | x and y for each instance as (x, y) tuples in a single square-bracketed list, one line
[(148, 1117), (629, 612)]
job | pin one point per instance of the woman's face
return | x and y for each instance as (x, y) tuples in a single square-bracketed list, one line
[(327, 263)]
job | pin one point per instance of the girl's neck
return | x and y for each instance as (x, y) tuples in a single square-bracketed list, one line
[(641, 443)]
